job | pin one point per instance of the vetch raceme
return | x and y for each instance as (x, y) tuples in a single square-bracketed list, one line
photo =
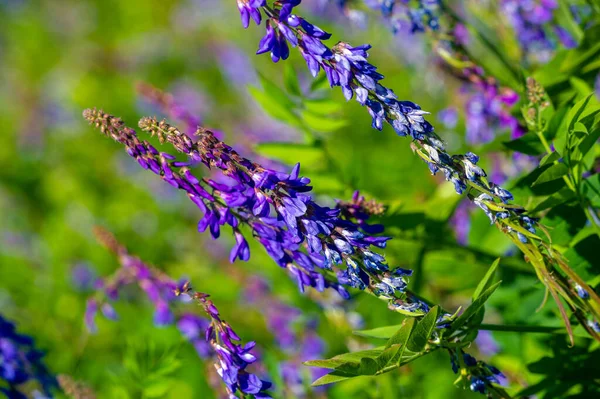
[(346, 66), (233, 357), (319, 248), (212, 339), (21, 363)]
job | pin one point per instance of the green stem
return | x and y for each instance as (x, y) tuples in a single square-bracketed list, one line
[(522, 328)]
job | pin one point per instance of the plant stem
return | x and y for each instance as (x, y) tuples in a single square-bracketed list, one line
[(522, 328)]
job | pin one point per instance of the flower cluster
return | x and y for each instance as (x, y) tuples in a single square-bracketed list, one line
[(21, 362), (313, 242), (214, 338), (479, 376), (533, 22), (233, 358), (347, 67), (294, 335)]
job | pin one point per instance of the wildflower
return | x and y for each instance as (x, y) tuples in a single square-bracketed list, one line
[(486, 343), (21, 362), (83, 277), (214, 338)]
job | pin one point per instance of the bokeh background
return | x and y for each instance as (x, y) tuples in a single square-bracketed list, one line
[(59, 178)]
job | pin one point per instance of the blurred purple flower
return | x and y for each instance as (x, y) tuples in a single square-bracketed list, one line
[(83, 277), (293, 333), (236, 65), (448, 117), (461, 222), (486, 343)]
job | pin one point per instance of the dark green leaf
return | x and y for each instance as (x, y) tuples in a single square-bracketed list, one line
[(562, 196), (368, 366), (554, 172), (528, 144), (402, 334), (589, 142), (422, 331), (396, 345)]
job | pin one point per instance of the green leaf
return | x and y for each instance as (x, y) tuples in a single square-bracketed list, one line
[(368, 366), (422, 331), (554, 172), (275, 92), (562, 196), (357, 356), (332, 378), (402, 334), (580, 86), (588, 143), (381, 332), (322, 123), (396, 345), (556, 123), (157, 389), (581, 109), (325, 363), (550, 158), (291, 153), (486, 281), (475, 306), (323, 106)]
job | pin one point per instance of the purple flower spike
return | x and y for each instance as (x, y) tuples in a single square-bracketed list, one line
[(214, 339)]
